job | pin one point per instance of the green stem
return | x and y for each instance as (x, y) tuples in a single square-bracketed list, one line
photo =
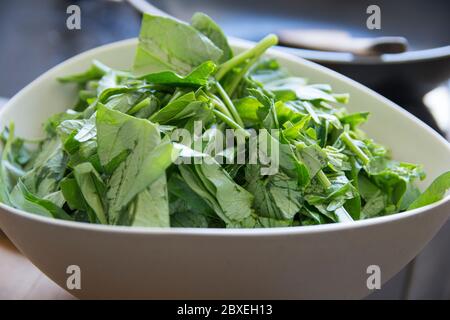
[(257, 50), (230, 122), (354, 148), (237, 79), (218, 104), (323, 179), (341, 214), (229, 104)]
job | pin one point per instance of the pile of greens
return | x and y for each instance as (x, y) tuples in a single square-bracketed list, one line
[(110, 158)]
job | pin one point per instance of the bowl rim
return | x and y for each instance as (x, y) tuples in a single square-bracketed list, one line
[(277, 231), (415, 56), (221, 232)]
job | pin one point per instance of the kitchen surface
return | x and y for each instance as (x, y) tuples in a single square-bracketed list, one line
[(35, 38), (21, 280)]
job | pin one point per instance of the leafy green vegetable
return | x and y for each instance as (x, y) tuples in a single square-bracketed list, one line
[(231, 202), (169, 45), (48, 169), (182, 107), (72, 194), (187, 208), (209, 28), (434, 192), (117, 156), (146, 157), (23, 199), (151, 208), (198, 77), (96, 71), (93, 190), (277, 196)]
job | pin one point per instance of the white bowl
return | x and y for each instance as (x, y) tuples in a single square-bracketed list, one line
[(326, 261)]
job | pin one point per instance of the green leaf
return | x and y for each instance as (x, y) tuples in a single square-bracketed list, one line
[(150, 207), (294, 131), (109, 80), (435, 192), (260, 222), (235, 201), (93, 190), (314, 159), (48, 169), (166, 44), (209, 28), (374, 205), (230, 201), (183, 107), (267, 70), (194, 182), (56, 198), (355, 119), (75, 133), (188, 219), (146, 161), (187, 200), (95, 72), (247, 108), (267, 112), (72, 194), (197, 77), (23, 199), (277, 196), (393, 177), (293, 88)]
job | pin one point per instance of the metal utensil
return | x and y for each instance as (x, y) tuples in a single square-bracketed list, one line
[(341, 41)]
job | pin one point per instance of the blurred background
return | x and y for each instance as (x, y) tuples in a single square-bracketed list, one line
[(35, 38)]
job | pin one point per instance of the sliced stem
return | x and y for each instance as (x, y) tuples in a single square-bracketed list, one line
[(354, 148), (323, 179), (229, 104), (341, 214), (257, 50), (230, 122)]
